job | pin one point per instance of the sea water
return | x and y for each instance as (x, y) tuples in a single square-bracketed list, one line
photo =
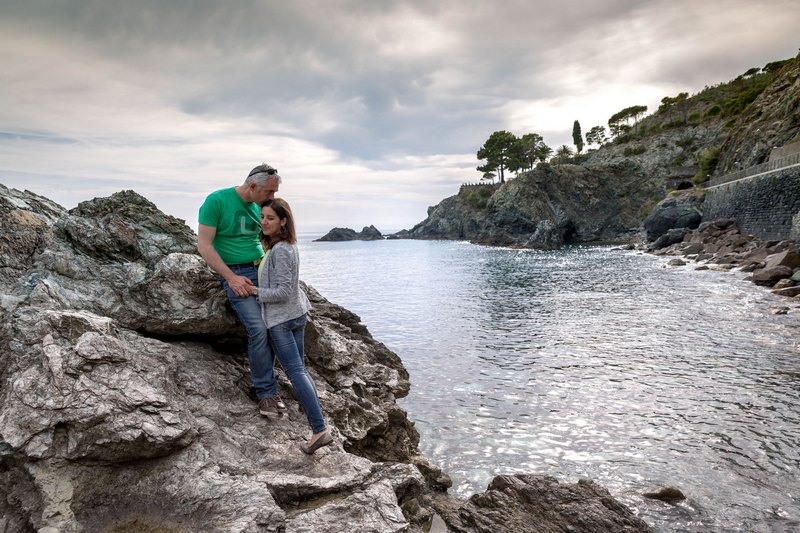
[(588, 362)]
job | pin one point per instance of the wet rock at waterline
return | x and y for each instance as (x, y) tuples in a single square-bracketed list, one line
[(666, 494), (540, 504)]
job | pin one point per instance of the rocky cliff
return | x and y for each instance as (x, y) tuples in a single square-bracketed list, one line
[(547, 207), (772, 121), (125, 400), (611, 189)]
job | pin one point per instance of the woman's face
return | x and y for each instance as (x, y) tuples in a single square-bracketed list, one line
[(270, 222)]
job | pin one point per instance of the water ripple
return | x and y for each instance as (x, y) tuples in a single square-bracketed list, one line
[(588, 362)]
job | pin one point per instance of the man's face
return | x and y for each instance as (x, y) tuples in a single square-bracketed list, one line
[(265, 192)]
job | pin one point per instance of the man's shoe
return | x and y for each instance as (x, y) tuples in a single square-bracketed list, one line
[(322, 440), (269, 407)]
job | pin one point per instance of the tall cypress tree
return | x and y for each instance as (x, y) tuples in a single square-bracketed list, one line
[(577, 137)]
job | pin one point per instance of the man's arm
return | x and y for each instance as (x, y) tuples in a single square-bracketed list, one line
[(205, 236)]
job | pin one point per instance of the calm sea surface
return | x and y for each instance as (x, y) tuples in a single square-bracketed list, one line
[(588, 362)]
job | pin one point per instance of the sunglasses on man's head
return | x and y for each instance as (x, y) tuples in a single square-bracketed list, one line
[(268, 172)]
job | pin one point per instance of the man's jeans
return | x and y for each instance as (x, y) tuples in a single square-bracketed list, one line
[(287, 343), (262, 362)]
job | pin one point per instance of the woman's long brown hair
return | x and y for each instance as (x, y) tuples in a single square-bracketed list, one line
[(287, 232)]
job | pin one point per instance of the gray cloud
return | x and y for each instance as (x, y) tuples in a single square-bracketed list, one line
[(344, 84)]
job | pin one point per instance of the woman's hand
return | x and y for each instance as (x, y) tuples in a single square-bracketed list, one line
[(253, 290)]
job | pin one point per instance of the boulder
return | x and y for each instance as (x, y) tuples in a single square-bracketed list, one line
[(789, 292), (788, 258), (692, 248), (755, 256), (770, 276), (784, 284), (672, 213), (540, 504), (672, 236), (666, 494)]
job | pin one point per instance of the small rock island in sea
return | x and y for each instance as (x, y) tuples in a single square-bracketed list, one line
[(369, 233)]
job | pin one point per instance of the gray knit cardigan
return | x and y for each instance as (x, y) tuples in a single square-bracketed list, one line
[(279, 291)]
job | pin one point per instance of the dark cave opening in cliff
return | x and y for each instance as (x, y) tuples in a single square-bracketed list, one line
[(569, 233)]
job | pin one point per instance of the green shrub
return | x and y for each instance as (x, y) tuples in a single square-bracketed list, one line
[(634, 150), (694, 118), (484, 192), (674, 124), (477, 197), (708, 163), (736, 104), (714, 110)]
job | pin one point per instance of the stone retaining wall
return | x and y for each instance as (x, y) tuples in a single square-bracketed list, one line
[(766, 206)]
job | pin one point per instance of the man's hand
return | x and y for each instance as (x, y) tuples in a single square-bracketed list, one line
[(241, 285)]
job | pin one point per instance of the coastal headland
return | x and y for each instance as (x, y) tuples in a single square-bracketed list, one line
[(739, 141)]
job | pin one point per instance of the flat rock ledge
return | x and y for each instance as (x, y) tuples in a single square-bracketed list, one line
[(125, 402)]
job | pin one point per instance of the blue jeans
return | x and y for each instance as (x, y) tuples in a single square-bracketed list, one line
[(262, 362), (287, 343)]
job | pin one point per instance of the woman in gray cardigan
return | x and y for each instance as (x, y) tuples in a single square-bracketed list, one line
[(284, 306)]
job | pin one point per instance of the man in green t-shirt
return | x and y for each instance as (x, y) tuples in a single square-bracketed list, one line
[(227, 238)]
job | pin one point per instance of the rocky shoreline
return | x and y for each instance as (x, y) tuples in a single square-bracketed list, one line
[(125, 401), (720, 245)]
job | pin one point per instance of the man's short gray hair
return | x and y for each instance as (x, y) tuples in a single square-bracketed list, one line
[(261, 174)]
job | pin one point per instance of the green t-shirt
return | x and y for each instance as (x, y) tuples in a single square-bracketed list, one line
[(238, 226)]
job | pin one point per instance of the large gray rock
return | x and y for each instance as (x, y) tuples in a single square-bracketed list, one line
[(681, 212), (124, 393), (768, 277), (125, 390), (540, 504), (672, 236), (789, 258)]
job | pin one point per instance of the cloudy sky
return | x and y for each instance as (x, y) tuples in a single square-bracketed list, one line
[(371, 110)]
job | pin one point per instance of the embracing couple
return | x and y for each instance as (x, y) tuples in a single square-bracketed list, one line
[(248, 237)]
